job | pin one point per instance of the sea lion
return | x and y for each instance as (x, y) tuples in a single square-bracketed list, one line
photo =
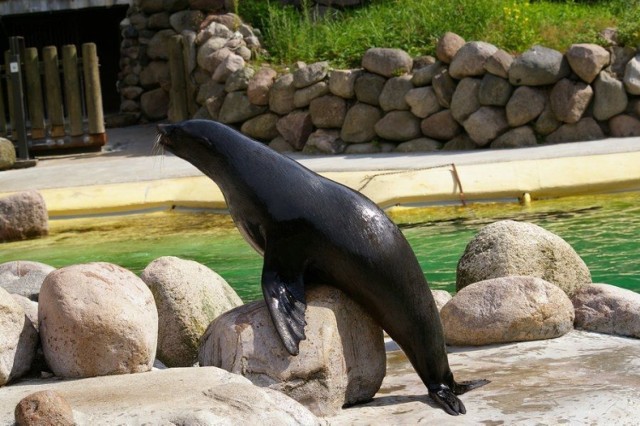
[(311, 229)]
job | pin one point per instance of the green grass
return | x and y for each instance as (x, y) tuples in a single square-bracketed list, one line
[(415, 26)]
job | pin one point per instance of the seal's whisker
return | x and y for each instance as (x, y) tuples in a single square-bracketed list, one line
[(158, 151)]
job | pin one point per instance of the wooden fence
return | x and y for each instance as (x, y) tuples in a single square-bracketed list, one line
[(40, 117)]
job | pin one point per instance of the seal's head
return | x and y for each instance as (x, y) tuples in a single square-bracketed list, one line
[(184, 139)]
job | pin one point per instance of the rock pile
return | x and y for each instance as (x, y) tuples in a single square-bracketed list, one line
[(23, 216), (472, 95)]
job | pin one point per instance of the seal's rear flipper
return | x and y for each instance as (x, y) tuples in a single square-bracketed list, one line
[(462, 387), (286, 303), (449, 402)]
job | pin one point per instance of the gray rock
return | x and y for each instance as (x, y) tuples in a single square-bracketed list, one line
[(19, 339), (159, 21), (460, 143), (393, 93), (186, 20), (387, 62), (499, 63), (519, 137), (359, 123), (184, 396), (158, 47), (188, 296), (30, 308), (259, 86), (419, 145), (262, 127), (605, 308), (368, 88), (441, 297), (624, 126), (584, 130), (538, 66), (239, 79), (632, 76), (423, 61), (525, 105), (587, 60), (45, 407), (422, 101), (609, 98), (97, 319), (24, 216), (213, 30), (398, 126), (311, 74), (507, 248), (230, 64), (156, 73), (342, 360), (303, 97), (424, 76), (281, 95), (324, 141), (236, 108), (280, 145), (507, 309), (295, 128), (547, 122), (212, 53), (24, 277), (155, 104), (620, 56), (328, 111), (470, 59), (7, 154), (486, 124), (444, 86), (342, 82), (447, 47), (441, 126), (465, 99), (569, 100), (211, 108), (494, 91)]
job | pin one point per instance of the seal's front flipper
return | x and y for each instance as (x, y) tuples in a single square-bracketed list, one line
[(445, 397), (284, 293), (461, 387)]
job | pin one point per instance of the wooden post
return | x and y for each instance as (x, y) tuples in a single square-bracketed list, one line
[(12, 115), (178, 92), (15, 71), (72, 95), (34, 93), (54, 91), (3, 111), (93, 94)]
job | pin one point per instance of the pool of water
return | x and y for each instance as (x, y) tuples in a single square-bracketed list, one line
[(604, 230)]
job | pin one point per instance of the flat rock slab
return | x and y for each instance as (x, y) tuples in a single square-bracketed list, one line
[(580, 378)]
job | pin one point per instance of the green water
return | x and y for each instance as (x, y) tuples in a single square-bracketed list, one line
[(604, 230)]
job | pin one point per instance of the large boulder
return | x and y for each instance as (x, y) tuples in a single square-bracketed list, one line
[(7, 154), (324, 141), (310, 74), (632, 76), (624, 126), (494, 90), (45, 407), (507, 309), (24, 277), (398, 126), (519, 137), (155, 104), (605, 308), (387, 62), (508, 248), (303, 97), (359, 123), (281, 95), (368, 87), (538, 66), (188, 297), (328, 111), (610, 98), (19, 339), (465, 100), (23, 216), (173, 396), (259, 86), (393, 93), (341, 361), (569, 100), (262, 127), (586, 129), (97, 319), (441, 126), (342, 83), (470, 59), (236, 108), (295, 128), (444, 86), (525, 105), (486, 124), (447, 47), (587, 60), (422, 101)]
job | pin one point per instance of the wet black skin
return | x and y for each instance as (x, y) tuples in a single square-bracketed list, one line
[(313, 230)]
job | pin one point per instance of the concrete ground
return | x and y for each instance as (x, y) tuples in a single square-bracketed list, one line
[(130, 176), (581, 378)]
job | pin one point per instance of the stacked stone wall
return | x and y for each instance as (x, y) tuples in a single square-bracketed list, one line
[(471, 95)]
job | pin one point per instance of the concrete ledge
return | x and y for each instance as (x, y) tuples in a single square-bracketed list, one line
[(542, 178)]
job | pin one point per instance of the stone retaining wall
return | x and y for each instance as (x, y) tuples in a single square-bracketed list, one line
[(471, 95)]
